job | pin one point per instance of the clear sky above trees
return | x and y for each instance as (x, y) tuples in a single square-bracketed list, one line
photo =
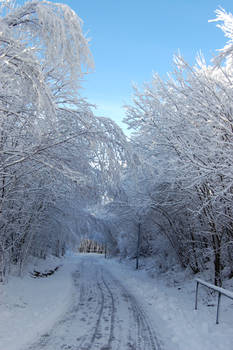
[(132, 38)]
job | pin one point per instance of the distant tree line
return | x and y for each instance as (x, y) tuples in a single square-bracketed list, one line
[(90, 246)]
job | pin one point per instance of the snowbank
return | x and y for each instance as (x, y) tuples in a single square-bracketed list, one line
[(30, 306)]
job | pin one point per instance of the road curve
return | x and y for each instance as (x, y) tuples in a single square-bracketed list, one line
[(103, 316)]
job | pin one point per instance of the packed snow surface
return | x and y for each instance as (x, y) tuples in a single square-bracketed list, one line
[(97, 303)]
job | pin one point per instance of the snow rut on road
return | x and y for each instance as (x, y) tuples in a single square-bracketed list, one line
[(104, 316)]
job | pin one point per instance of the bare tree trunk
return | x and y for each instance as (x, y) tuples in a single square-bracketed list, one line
[(217, 260)]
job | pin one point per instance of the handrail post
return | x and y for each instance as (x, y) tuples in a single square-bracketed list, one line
[(218, 306), (196, 295), (138, 245)]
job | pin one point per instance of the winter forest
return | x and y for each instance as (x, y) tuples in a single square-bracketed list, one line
[(68, 176)]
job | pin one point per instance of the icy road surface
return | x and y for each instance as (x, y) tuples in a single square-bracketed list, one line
[(103, 316)]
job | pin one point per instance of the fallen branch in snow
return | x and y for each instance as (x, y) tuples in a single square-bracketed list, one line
[(37, 274)]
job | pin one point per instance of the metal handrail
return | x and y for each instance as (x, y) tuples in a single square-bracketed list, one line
[(220, 291)]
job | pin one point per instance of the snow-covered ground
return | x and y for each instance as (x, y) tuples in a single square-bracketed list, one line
[(169, 301), (30, 307)]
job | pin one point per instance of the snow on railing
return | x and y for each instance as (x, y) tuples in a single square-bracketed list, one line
[(220, 291)]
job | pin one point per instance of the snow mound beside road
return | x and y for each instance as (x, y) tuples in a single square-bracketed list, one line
[(30, 306)]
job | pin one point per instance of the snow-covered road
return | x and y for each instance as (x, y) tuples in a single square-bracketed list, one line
[(93, 303), (103, 316)]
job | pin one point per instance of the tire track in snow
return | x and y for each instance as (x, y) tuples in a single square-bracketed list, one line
[(112, 315), (146, 337), (97, 326)]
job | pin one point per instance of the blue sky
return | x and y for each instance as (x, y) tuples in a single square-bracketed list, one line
[(131, 39)]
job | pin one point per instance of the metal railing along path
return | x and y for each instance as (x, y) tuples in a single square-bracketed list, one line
[(221, 291)]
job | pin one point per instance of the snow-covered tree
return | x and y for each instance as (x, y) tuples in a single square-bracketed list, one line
[(55, 155), (183, 134)]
